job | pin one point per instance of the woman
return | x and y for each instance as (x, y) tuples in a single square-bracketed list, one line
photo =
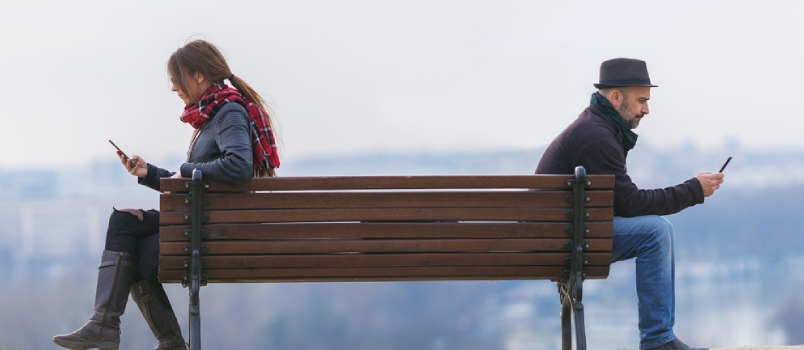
[(233, 141)]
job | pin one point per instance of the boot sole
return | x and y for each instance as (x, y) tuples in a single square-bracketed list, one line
[(87, 345)]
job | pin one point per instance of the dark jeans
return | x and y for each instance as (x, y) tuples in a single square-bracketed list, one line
[(126, 233)]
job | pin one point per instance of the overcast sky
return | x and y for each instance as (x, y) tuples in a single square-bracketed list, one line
[(358, 77)]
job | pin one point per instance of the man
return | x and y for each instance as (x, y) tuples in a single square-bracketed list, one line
[(599, 140)]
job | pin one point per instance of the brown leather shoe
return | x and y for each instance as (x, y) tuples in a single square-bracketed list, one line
[(675, 344), (158, 313), (102, 331)]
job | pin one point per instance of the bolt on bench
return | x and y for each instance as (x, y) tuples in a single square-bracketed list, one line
[(389, 228)]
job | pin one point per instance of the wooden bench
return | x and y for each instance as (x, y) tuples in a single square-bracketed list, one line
[(389, 228)]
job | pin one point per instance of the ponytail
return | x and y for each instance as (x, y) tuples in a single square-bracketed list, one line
[(247, 91)]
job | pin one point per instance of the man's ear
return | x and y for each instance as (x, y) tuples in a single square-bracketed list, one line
[(616, 98)]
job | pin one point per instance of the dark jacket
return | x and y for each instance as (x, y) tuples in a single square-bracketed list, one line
[(594, 142), (222, 150)]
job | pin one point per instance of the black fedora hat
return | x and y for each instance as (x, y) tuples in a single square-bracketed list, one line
[(623, 72)]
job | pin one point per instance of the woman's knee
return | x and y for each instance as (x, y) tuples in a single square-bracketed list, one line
[(120, 232), (136, 222), (120, 222), (124, 215)]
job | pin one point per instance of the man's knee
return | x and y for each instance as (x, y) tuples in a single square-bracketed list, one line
[(636, 236), (661, 229), (661, 226)]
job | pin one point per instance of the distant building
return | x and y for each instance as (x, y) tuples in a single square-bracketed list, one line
[(50, 219), (28, 184)]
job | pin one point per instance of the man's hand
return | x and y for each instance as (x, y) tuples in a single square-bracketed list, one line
[(710, 182)]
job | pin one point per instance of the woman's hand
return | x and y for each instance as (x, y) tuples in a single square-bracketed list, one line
[(136, 166)]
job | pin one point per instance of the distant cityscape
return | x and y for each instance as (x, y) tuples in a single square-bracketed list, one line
[(53, 225)]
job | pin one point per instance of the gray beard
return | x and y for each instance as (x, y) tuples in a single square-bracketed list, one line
[(631, 120)]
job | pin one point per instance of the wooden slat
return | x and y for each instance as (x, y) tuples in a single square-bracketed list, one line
[(385, 214), (385, 230), (384, 274), (381, 246), (310, 200), (383, 260), (394, 182)]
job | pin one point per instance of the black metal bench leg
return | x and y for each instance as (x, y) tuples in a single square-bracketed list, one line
[(580, 331), (195, 304), (573, 290), (566, 324), (195, 322), (571, 310), (566, 317), (194, 278)]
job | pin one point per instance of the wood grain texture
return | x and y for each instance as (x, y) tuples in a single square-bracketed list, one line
[(394, 182), (383, 214), (384, 274), (330, 200), (279, 231), (384, 260), (382, 246)]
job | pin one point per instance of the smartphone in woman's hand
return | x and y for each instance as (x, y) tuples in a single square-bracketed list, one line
[(119, 150)]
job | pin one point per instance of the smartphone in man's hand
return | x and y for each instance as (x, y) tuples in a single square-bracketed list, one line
[(724, 165)]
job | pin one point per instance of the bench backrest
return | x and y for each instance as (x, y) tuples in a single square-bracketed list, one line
[(386, 228)]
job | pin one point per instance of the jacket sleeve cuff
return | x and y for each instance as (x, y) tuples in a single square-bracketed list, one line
[(697, 190), (151, 179)]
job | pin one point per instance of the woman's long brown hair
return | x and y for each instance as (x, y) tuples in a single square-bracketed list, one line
[(200, 56)]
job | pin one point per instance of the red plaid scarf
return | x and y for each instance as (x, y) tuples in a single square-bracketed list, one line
[(211, 101)]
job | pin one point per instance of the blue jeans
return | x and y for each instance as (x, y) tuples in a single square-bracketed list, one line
[(649, 239)]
